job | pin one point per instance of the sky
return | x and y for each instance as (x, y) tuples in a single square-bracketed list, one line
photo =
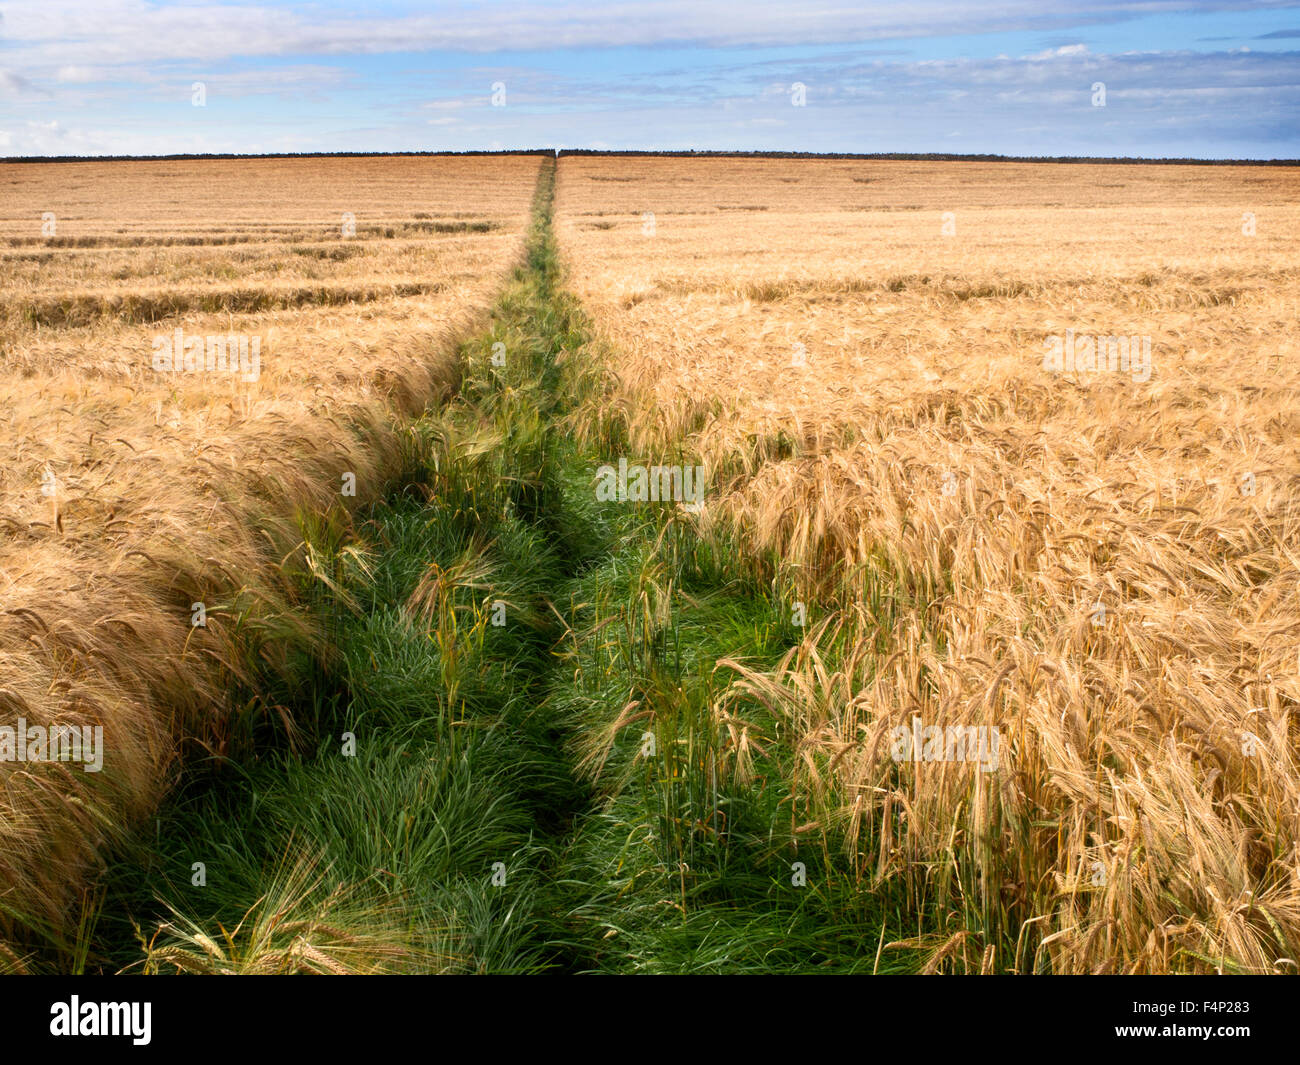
[(1208, 79)]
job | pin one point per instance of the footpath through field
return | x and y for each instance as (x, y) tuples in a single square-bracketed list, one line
[(521, 757)]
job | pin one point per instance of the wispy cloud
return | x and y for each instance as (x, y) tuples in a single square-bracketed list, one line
[(908, 75), (56, 32)]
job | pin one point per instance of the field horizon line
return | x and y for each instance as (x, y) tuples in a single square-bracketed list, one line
[(683, 153)]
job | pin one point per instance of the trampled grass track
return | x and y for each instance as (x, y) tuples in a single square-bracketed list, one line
[(500, 812)]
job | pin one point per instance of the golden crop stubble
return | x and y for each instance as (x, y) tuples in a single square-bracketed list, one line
[(949, 496), (128, 492)]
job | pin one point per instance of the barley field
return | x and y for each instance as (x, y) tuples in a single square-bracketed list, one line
[(1102, 563), (129, 495), (979, 651)]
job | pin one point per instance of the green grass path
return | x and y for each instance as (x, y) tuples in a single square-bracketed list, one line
[(511, 760)]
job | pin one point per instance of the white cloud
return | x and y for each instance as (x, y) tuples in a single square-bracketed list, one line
[(1064, 50), (87, 32), (135, 54), (75, 75)]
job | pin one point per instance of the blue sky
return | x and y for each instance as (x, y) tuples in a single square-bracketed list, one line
[(1207, 79)]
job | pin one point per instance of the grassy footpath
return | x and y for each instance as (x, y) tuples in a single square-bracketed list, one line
[(515, 760)]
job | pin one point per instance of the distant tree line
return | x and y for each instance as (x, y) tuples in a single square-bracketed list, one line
[(936, 157), (940, 157), (259, 155)]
